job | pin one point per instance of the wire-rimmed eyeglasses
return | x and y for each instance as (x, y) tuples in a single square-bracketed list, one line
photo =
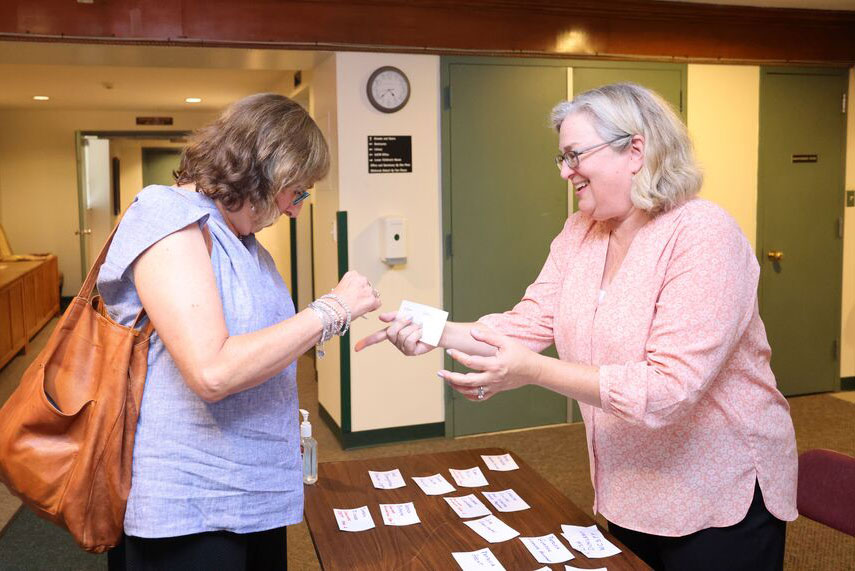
[(571, 158)]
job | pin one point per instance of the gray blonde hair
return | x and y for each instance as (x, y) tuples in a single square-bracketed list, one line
[(670, 175)]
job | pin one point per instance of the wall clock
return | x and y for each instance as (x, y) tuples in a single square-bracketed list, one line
[(388, 89)]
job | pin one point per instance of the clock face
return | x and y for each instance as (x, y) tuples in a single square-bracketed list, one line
[(388, 89)]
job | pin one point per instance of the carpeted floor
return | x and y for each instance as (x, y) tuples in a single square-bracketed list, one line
[(557, 452)]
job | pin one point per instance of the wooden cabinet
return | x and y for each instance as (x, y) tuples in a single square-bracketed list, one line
[(29, 298)]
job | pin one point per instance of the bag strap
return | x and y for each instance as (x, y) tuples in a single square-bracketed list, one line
[(89, 283)]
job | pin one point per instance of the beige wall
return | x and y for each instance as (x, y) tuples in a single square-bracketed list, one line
[(305, 293), (847, 352), (276, 239), (38, 177), (724, 122), (326, 200), (388, 389)]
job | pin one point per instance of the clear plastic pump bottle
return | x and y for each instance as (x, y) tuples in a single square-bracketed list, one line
[(308, 450)]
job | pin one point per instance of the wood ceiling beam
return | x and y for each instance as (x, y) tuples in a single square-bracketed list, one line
[(551, 28)]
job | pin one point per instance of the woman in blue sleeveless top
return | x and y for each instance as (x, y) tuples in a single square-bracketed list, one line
[(217, 471)]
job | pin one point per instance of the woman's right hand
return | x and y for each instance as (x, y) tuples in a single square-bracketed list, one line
[(403, 334), (356, 291)]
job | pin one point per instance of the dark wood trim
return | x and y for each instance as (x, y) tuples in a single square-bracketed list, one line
[(583, 28), (847, 384)]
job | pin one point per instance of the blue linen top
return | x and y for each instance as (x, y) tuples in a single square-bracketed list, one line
[(232, 465)]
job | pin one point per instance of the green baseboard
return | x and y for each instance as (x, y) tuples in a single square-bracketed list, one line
[(365, 438), (847, 384)]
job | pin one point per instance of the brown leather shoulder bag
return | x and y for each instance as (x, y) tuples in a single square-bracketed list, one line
[(67, 432)]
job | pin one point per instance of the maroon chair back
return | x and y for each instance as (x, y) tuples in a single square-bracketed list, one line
[(827, 488)]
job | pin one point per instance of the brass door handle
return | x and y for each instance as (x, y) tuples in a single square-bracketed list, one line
[(775, 255)]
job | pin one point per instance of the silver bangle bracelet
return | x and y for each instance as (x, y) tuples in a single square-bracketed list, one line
[(328, 326), (335, 316), (346, 309)]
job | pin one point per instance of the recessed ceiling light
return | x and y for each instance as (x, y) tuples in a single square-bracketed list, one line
[(193, 100), (41, 97)]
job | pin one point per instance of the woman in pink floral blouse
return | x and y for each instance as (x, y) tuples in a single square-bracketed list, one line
[(650, 297)]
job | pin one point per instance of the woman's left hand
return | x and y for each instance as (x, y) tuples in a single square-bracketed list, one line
[(512, 366)]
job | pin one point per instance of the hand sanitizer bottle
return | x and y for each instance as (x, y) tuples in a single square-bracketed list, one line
[(308, 450)]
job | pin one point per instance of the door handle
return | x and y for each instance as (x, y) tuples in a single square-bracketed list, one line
[(775, 255), (86, 231)]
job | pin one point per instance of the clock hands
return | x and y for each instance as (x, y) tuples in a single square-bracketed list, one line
[(388, 89)]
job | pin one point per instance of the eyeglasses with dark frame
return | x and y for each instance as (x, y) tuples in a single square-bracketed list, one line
[(571, 158), (301, 196)]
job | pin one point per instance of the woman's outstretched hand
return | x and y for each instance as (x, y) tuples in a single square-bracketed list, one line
[(513, 365), (403, 334)]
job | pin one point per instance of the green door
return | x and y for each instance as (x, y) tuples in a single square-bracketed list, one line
[(158, 164), (665, 79), (799, 215), (505, 203)]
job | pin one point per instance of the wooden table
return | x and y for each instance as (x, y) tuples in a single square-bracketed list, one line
[(429, 545)]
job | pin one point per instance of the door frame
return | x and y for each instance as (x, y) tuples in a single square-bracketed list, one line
[(445, 161)]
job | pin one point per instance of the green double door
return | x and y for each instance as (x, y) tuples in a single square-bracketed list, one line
[(503, 201)]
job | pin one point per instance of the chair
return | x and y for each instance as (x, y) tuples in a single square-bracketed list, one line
[(826, 490), (5, 248), (6, 254)]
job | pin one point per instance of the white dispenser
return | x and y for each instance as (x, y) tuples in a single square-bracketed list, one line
[(393, 240), (308, 450)]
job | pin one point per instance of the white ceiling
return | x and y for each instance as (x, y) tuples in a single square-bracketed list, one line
[(79, 76), (140, 88)]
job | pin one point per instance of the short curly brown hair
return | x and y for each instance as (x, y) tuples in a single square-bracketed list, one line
[(260, 145)]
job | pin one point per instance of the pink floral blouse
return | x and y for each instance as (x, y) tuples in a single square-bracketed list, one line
[(690, 412)]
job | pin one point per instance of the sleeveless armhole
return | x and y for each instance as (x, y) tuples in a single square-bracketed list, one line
[(157, 212)]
